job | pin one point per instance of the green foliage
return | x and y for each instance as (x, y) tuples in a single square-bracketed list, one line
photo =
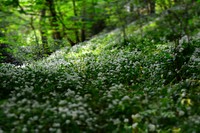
[(44, 25), (148, 85), (122, 90)]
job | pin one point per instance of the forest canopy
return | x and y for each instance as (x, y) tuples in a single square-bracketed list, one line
[(44, 26)]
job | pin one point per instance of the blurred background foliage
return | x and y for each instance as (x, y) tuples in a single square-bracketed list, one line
[(32, 29)]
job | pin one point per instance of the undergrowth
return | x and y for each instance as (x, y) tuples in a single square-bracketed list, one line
[(102, 86)]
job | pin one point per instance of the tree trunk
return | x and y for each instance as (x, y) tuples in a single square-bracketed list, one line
[(175, 1), (152, 6), (83, 28), (76, 15), (54, 20), (42, 31), (83, 34), (36, 38)]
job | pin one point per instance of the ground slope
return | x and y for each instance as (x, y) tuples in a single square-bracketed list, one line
[(104, 85)]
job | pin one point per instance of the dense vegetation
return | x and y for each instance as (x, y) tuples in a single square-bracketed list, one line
[(146, 81)]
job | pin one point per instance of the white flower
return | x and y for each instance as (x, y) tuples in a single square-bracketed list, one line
[(115, 102), (134, 125), (24, 129), (181, 113), (135, 117), (51, 129), (64, 115), (110, 106), (116, 121), (56, 125), (35, 118), (125, 98), (74, 115), (67, 121), (169, 73), (152, 127), (36, 131), (58, 131), (62, 102), (1, 131), (81, 116), (126, 120)]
